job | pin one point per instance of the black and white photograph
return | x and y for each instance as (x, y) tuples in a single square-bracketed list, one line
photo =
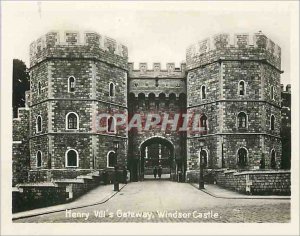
[(149, 112)]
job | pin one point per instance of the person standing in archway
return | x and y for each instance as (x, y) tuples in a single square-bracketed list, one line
[(159, 171), (155, 172)]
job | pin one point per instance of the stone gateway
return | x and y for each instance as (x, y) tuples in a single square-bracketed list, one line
[(231, 82)]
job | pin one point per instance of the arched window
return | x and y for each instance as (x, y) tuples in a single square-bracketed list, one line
[(111, 161), (272, 122), (72, 121), (39, 124), (111, 125), (204, 156), (203, 92), (71, 84), (273, 159), (111, 89), (39, 88), (39, 159), (272, 92), (242, 158), (242, 120), (242, 90), (71, 158), (203, 123)]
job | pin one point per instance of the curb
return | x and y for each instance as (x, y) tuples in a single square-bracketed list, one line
[(266, 198), (72, 208)]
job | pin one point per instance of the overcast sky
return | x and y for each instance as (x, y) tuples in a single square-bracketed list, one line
[(152, 31)]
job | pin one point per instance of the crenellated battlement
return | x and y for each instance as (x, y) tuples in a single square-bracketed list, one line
[(237, 46), (156, 71), (76, 44)]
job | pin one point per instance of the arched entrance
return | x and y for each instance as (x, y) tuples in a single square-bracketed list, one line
[(156, 152)]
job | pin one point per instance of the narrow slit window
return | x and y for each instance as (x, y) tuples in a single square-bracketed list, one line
[(39, 124), (39, 159), (71, 84), (39, 88), (203, 92), (242, 88), (111, 90), (273, 93), (111, 125), (272, 122)]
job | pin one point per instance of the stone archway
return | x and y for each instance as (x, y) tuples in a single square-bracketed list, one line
[(156, 151)]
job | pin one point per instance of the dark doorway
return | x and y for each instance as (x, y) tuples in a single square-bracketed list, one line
[(157, 152), (242, 158)]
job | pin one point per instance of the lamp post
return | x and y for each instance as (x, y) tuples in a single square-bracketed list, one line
[(116, 182), (201, 179), (223, 160)]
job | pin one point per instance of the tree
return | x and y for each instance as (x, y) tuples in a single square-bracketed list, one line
[(20, 85)]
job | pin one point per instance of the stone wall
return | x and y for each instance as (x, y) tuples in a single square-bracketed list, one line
[(194, 150), (40, 143), (47, 175), (256, 182), (37, 197), (20, 162), (259, 182), (207, 76), (20, 147), (286, 126), (52, 187), (105, 144)]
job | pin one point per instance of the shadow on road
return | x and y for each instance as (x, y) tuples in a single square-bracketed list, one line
[(163, 177)]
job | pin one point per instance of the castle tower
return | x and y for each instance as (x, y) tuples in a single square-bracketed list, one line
[(233, 83), (74, 76)]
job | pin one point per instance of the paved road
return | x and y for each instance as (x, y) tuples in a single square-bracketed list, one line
[(149, 201)]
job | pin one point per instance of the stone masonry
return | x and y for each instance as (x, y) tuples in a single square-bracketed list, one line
[(94, 61), (220, 64), (232, 82)]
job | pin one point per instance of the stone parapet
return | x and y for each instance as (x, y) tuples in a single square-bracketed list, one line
[(156, 71), (73, 44), (233, 47)]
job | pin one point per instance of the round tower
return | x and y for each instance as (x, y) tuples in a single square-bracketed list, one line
[(75, 76), (233, 83)]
